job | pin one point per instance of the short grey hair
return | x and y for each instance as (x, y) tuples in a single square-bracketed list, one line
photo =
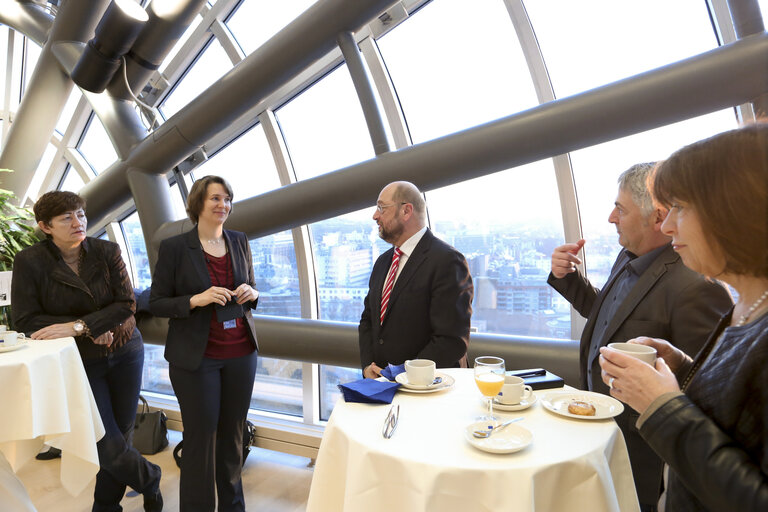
[(635, 181)]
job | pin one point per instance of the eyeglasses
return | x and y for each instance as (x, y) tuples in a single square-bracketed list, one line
[(381, 207)]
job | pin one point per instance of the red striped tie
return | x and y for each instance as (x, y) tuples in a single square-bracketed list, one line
[(389, 284)]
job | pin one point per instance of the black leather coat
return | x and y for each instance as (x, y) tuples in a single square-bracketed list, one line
[(715, 437), (46, 291)]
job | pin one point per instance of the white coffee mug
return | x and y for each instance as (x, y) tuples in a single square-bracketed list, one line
[(514, 391), (642, 352), (10, 338), (420, 372)]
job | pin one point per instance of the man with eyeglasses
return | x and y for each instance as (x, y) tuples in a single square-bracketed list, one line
[(648, 293), (419, 301)]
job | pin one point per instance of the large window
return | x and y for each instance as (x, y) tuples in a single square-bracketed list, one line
[(97, 147), (270, 16), (595, 42)]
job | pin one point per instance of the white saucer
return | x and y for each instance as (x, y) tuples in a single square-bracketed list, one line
[(512, 439), (402, 379), (4, 348), (524, 404), (605, 406)]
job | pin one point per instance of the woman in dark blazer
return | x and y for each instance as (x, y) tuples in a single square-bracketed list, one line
[(73, 285), (204, 283)]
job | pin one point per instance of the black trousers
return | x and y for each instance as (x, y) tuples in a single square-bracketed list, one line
[(214, 401), (115, 381)]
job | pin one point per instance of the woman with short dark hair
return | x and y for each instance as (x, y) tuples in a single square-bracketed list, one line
[(74, 285), (707, 416), (204, 283)]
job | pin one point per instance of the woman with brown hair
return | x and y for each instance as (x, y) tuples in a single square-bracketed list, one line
[(204, 283), (74, 285), (707, 415)]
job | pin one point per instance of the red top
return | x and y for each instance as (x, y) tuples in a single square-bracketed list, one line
[(225, 343)]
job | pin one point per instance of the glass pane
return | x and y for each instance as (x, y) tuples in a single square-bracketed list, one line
[(155, 377), (764, 10), (179, 208), (246, 163), (16, 71), (597, 168), (134, 238), (72, 181), (506, 225), (277, 278), (324, 127), (278, 386), (589, 44), (3, 61), (97, 147), (457, 64), (330, 378), (211, 65), (271, 16)]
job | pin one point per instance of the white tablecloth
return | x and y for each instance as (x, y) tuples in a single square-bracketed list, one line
[(45, 398), (572, 465)]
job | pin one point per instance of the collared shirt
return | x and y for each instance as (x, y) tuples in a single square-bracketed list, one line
[(406, 250), (627, 277)]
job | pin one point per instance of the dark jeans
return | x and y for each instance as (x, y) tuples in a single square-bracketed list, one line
[(214, 401), (115, 381)]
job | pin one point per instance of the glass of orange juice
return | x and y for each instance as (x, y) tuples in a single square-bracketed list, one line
[(489, 377)]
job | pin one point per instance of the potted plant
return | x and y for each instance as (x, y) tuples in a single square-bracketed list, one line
[(17, 232)]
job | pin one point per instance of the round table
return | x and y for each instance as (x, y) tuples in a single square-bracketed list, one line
[(574, 465), (46, 398)]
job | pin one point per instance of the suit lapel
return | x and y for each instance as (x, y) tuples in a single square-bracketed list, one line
[(649, 278), (419, 255), (238, 270), (196, 256)]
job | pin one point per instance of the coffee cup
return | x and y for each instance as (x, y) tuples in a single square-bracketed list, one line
[(10, 338), (642, 352), (420, 372), (514, 391)]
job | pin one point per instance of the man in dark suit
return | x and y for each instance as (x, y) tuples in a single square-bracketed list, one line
[(419, 303), (649, 293)]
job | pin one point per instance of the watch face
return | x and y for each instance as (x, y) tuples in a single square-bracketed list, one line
[(78, 327)]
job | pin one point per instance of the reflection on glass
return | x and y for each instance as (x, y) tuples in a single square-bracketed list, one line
[(587, 44), (211, 65), (324, 127), (246, 163), (272, 17), (597, 168), (97, 147), (457, 65), (134, 239), (506, 226)]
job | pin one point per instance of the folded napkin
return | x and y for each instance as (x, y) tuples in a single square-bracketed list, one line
[(392, 371), (369, 391)]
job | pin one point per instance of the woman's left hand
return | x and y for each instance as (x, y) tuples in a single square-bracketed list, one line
[(245, 293), (54, 331), (634, 382)]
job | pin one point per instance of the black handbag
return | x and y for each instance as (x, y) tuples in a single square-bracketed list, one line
[(150, 433), (249, 436)]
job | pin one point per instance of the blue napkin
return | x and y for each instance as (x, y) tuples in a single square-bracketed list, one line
[(369, 391), (392, 371)]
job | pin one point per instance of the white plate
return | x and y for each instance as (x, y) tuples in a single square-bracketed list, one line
[(512, 439), (524, 404), (4, 348), (605, 406), (447, 382)]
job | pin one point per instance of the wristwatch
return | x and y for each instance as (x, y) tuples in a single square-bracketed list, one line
[(80, 328)]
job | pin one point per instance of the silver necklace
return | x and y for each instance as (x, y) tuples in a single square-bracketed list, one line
[(214, 242), (752, 309)]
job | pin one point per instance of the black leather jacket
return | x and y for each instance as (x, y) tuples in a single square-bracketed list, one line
[(715, 437), (45, 291)]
